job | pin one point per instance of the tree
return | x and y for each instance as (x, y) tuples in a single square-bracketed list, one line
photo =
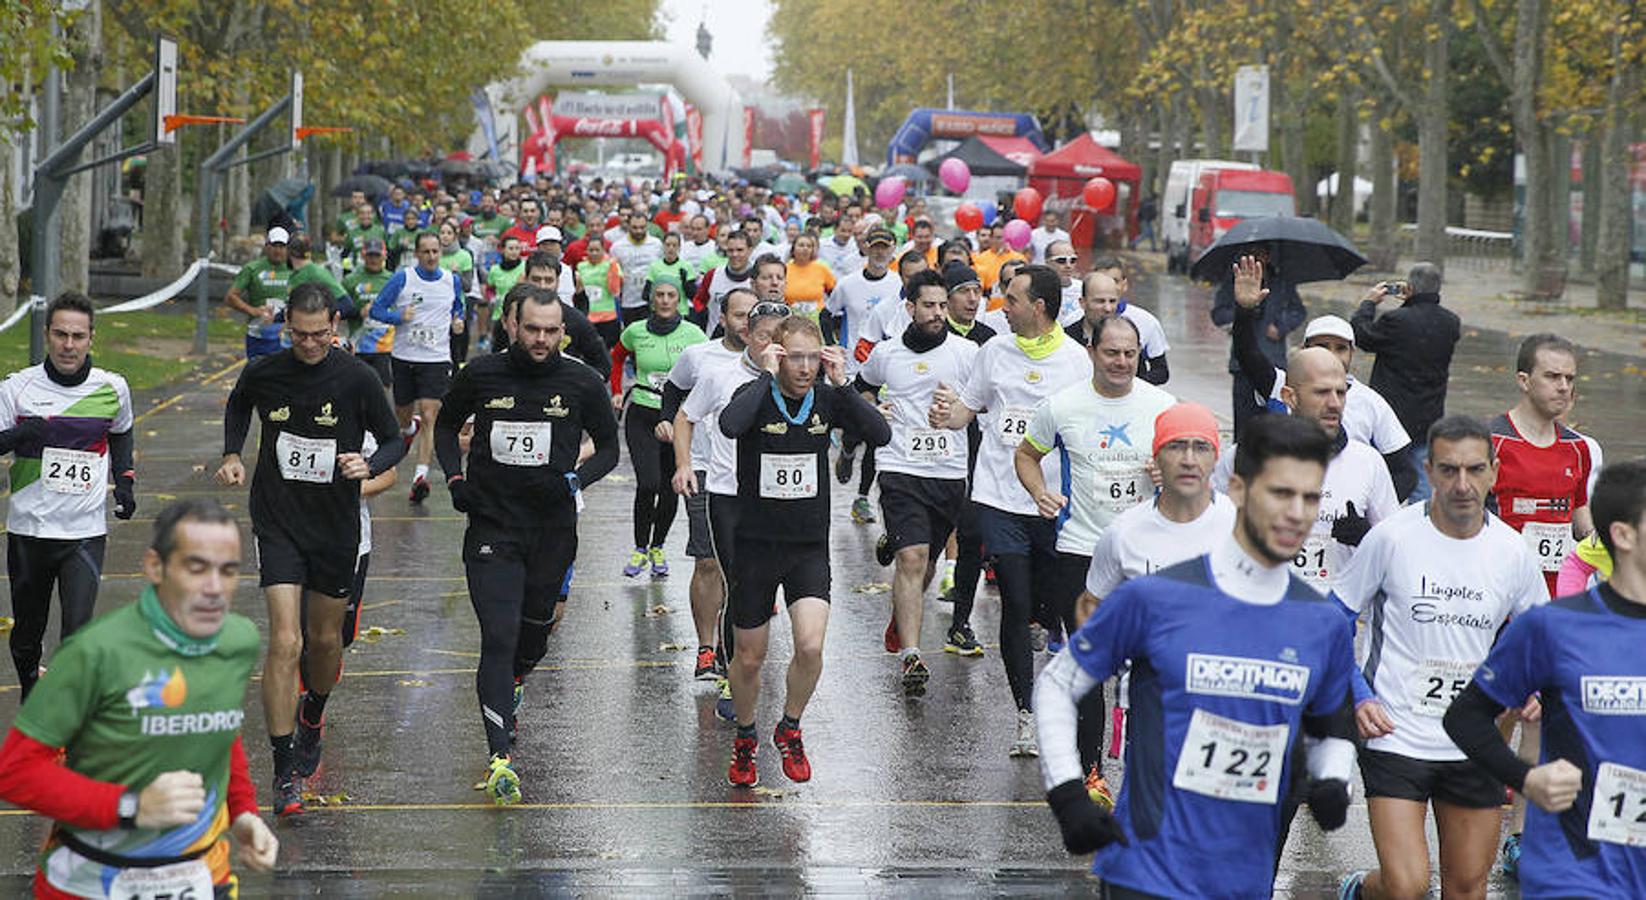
[(31, 31)]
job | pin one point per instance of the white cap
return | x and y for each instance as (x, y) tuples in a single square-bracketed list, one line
[(278, 235), (548, 233), (1331, 326)]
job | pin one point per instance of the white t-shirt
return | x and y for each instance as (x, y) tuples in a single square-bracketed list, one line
[(1358, 475), (566, 287), (63, 495), (1141, 541), (714, 390), (722, 283), (427, 308), (1435, 604), (854, 299), (1103, 444), (1369, 418), (909, 379), (1009, 386), (634, 260), (996, 319), (695, 253), (887, 320), (842, 260), (1071, 311), (1151, 336), (1040, 239), (692, 367)]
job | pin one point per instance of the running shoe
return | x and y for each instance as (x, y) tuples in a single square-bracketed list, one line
[(705, 664), (410, 436), (660, 563), (742, 773), (307, 746), (963, 642), (1349, 887), (1098, 789), (1025, 744), (843, 467), (1037, 637), (915, 676), (893, 644), (795, 765), (288, 798), (502, 782), (883, 552), (862, 512), (723, 705), (420, 490), (637, 562), (1509, 859)]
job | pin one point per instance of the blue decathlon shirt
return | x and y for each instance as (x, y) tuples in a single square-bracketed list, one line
[(1219, 690), (1585, 655)]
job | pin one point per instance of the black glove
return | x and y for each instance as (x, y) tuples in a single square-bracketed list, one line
[(125, 498), (31, 430), (1351, 527), (1086, 826), (1329, 802), (460, 493)]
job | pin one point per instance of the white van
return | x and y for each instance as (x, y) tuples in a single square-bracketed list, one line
[(1174, 206)]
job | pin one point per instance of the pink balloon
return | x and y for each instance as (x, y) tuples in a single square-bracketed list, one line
[(955, 175), (889, 192), (1016, 234)]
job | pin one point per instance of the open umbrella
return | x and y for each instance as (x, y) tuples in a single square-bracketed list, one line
[(909, 172), (789, 183), (1300, 250), (375, 187), (290, 195), (844, 185)]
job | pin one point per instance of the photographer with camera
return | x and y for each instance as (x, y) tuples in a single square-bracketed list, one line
[(1414, 346)]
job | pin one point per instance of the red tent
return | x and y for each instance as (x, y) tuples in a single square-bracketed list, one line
[(1061, 174), (1019, 150)]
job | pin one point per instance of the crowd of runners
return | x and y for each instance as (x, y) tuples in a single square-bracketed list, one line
[(1244, 619)]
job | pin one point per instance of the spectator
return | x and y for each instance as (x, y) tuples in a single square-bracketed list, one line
[(1414, 346), (1279, 313), (1147, 212)]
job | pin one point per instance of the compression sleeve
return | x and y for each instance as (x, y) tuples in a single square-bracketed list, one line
[(740, 414), (603, 429), (242, 796), (32, 778), (236, 418), (1471, 723), (700, 300), (120, 456), (1574, 575), (1156, 371), (454, 411), (615, 377), (1057, 693), (1248, 355), (673, 396)]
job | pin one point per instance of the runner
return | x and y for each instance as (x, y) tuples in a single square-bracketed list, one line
[(1151, 364), (582, 340), (68, 425), (316, 402), (1438, 581), (671, 265), (1009, 379), (1367, 417), (131, 745), (373, 339), (1233, 663), (1060, 256), (807, 281), (693, 450), (634, 252), (656, 344), (426, 303), (857, 295), (1581, 656), (259, 291), (923, 469), (601, 279), (781, 422), (522, 491), (716, 283)]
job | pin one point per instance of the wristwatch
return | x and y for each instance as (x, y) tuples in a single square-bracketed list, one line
[(127, 810)]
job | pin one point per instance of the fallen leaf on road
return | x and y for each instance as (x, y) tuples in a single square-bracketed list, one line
[(414, 682), (668, 647), (658, 610), (763, 791), (326, 799), (375, 633), (873, 587), (167, 498), (198, 469)]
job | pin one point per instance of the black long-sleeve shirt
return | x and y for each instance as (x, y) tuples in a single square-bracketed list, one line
[(529, 422), (1414, 345), (310, 415), (782, 468)]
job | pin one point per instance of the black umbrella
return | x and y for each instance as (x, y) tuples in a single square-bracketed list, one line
[(375, 187), (1300, 250), (386, 168), (288, 196), (909, 172)]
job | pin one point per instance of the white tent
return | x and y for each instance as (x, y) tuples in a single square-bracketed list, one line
[(1327, 188)]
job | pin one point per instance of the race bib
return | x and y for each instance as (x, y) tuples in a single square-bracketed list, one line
[(1618, 813), (1231, 760), (1013, 424), (656, 380), (70, 471), (305, 459), (1309, 563), (1124, 493), (180, 881), (1436, 683), (788, 476), (426, 336), (1549, 542), (932, 444), (256, 327), (520, 443)]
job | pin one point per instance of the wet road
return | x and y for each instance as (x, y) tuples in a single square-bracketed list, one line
[(622, 758)]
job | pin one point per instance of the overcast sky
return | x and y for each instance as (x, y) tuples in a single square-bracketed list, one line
[(738, 27)]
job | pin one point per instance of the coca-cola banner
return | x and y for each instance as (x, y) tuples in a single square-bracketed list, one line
[(694, 135), (608, 106), (814, 118), (748, 136)]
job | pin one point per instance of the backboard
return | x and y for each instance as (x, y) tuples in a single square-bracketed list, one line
[(165, 88)]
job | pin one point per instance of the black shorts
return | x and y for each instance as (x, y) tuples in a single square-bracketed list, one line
[(920, 510), (281, 559), (381, 363), (699, 542), (723, 516), (1458, 782), (420, 381), (801, 570)]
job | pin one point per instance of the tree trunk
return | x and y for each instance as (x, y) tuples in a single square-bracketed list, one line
[(1212, 133), (1167, 111), (1382, 252), (1348, 149), (1432, 122), (1292, 128), (11, 263), (1534, 137), (1592, 175), (1612, 251), (236, 185), (79, 105), (163, 214), (1560, 198)]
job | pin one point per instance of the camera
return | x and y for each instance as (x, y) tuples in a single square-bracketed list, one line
[(1394, 288)]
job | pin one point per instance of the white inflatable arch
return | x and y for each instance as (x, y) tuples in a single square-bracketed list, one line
[(582, 64)]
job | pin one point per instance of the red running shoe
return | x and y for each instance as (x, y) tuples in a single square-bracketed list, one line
[(795, 765), (742, 772), (893, 645)]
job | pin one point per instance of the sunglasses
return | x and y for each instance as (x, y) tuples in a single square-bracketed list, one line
[(769, 308), (1064, 260)]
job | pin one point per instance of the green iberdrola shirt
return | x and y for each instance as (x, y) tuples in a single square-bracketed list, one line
[(130, 697), (654, 356)]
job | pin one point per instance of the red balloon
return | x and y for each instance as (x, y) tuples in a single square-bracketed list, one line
[(968, 216), (1026, 204), (1098, 193)]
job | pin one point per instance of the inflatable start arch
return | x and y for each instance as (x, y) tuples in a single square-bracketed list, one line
[(924, 124)]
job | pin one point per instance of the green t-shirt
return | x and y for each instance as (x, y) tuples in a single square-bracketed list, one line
[(682, 271), (654, 356), (596, 282), (356, 236), (501, 281), (712, 260), (261, 282), (458, 260), (315, 273), (362, 287), (493, 226), (127, 703)]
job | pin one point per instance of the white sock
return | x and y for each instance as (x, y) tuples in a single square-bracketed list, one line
[(948, 568), (422, 472), (907, 652)]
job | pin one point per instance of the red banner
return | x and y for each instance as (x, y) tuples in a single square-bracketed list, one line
[(748, 136), (694, 135), (545, 108), (814, 118)]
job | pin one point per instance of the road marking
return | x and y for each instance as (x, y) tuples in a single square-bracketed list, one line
[(174, 399), (753, 803)]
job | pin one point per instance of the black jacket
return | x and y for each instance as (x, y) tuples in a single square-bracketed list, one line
[(1414, 346)]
